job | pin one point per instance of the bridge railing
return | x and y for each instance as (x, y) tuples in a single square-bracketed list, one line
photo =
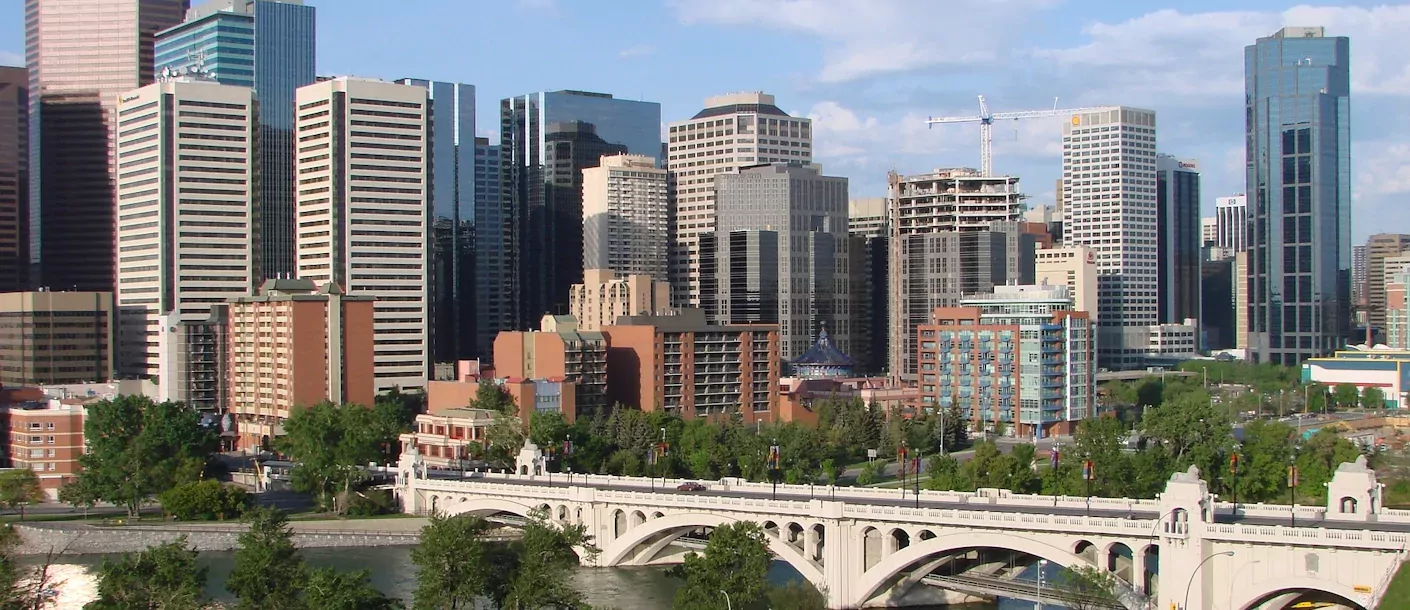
[(1303, 536)]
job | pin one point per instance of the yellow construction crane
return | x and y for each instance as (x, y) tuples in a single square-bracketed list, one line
[(986, 126)]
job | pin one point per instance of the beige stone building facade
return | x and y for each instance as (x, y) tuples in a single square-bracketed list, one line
[(605, 296), (625, 216), (1071, 266), (733, 131)]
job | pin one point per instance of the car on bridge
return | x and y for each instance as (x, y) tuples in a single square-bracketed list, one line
[(690, 486)]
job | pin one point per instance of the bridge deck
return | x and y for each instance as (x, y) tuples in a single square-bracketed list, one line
[(825, 493)]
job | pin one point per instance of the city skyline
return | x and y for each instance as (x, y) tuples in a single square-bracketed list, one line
[(871, 119)]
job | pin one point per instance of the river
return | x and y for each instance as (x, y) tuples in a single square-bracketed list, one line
[(393, 573)]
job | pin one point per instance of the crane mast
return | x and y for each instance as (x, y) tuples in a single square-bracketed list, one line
[(986, 126)]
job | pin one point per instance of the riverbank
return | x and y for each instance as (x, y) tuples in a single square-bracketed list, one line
[(78, 538)]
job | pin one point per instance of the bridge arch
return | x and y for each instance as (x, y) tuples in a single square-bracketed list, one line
[(1248, 598), (481, 507), (620, 549), (871, 582)]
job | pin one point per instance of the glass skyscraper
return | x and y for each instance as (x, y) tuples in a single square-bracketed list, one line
[(267, 45), (494, 268), (546, 140), (452, 207), (1298, 97)]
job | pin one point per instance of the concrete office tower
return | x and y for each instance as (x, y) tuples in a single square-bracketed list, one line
[(1208, 232), (494, 267), (1231, 220), (605, 296), (268, 46), (1071, 266), (933, 218), (1380, 247), (362, 208), (626, 216), (867, 217), (1358, 276), (14, 179), (1177, 195), (732, 131), (809, 212), (1241, 275), (546, 141), (185, 238), (1298, 87), (82, 54), (56, 338), (1109, 165), (869, 232), (452, 206)]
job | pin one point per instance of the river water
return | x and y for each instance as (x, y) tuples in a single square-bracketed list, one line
[(645, 588)]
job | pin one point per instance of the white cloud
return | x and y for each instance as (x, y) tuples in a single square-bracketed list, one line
[(872, 37), (9, 58), (1200, 55), (641, 50)]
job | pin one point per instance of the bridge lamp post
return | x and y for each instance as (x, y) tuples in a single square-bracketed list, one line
[(1042, 563), (1186, 605), (728, 604)]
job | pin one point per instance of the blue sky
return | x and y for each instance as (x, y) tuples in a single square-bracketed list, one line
[(870, 71)]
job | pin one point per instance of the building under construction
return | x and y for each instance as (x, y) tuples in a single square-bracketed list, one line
[(953, 232)]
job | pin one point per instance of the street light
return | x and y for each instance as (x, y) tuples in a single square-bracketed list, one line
[(728, 604), (1042, 563), (1186, 605)]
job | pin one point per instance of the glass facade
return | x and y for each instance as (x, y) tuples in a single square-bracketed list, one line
[(1297, 85), (1178, 220), (494, 272), (452, 206), (82, 55), (267, 45), (546, 140)]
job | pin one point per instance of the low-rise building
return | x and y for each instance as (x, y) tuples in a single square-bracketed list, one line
[(683, 365), (554, 395), (603, 297), (1364, 367), (46, 436), (56, 337), (295, 345), (1020, 356), (558, 351), (451, 438), (1071, 266)]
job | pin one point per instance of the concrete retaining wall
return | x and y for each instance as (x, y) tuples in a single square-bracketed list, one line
[(82, 539)]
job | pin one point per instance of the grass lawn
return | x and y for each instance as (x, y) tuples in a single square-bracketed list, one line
[(1397, 596)]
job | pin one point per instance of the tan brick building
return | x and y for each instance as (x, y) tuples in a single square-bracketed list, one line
[(55, 337), (603, 297), (294, 345), (558, 351)]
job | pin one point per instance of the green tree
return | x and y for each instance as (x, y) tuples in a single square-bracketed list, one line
[(330, 589), (735, 562), (1346, 395), (204, 500), (138, 448), (493, 397), (1267, 451), (1373, 398), (1191, 430), (1316, 397), (947, 475), (268, 572), (1102, 440), (503, 441), (796, 595), (455, 565), (332, 446), (1317, 460), (78, 493), (548, 430), (163, 577), (546, 556), (19, 487), (1089, 588)]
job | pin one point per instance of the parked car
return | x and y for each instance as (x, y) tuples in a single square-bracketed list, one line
[(691, 486)]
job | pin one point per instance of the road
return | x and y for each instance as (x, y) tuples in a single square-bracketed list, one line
[(1005, 443), (908, 500)]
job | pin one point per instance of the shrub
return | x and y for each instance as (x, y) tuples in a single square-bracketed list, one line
[(204, 501)]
